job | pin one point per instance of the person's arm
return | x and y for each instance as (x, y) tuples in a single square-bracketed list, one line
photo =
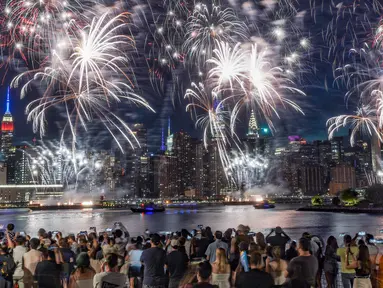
[(207, 253), (9, 241), (350, 255), (72, 282), (271, 232), (287, 236), (267, 268), (58, 256), (96, 281), (232, 247)]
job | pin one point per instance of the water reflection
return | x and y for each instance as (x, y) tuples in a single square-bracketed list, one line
[(222, 217)]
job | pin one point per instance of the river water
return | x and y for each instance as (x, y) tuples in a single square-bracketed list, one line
[(217, 217)]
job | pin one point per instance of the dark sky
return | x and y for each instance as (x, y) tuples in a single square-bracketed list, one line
[(322, 101)]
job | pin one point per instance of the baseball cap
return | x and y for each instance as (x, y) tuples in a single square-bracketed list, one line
[(174, 243)]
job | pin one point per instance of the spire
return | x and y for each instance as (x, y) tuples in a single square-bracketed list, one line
[(163, 147), (7, 111), (253, 125), (168, 126)]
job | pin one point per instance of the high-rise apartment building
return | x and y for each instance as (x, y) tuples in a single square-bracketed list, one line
[(337, 149), (342, 177), (312, 181)]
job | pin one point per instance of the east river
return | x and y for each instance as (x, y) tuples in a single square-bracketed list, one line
[(217, 217)]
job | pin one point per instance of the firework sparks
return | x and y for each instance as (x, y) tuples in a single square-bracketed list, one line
[(88, 77)]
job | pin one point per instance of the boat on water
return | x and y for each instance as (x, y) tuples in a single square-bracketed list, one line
[(147, 207), (265, 204)]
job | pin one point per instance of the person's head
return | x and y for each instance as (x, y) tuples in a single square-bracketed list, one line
[(304, 246), (41, 232), (331, 241), (347, 240), (256, 260), (71, 239), (111, 263), (82, 261), (218, 235), (10, 227), (306, 235), (181, 241), (204, 272), (278, 230), (118, 233), (254, 247), (34, 243), (63, 243), (185, 233), (243, 246), (361, 242), (155, 240), (276, 252), (174, 244), (260, 239), (369, 238), (227, 234), (20, 241), (241, 229), (364, 259), (83, 242), (293, 245)]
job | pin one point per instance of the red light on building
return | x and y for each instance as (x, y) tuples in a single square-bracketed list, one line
[(7, 126)]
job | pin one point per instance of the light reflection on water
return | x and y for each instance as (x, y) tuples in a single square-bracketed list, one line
[(218, 217)]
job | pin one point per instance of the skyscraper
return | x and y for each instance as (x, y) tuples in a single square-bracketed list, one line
[(7, 130), (337, 149), (253, 129)]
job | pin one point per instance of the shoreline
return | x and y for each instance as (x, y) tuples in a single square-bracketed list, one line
[(351, 210)]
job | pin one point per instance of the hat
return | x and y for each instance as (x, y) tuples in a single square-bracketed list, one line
[(243, 246), (241, 228), (278, 230), (174, 243), (156, 239), (82, 260)]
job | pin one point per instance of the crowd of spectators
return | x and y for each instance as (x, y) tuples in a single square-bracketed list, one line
[(186, 259)]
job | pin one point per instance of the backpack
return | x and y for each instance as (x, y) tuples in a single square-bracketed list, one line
[(7, 266)]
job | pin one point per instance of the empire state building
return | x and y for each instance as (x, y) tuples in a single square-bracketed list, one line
[(7, 131)]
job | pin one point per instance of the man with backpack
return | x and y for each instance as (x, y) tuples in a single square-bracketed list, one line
[(7, 267)]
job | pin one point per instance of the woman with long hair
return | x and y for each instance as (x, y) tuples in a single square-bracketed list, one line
[(276, 267), (362, 265), (82, 277), (221, 269), (260, 239), (331, 262)]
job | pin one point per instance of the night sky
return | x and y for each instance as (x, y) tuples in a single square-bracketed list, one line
[(323, 100)]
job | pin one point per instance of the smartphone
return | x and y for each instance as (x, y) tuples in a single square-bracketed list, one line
[(342, 234), (83, 233), (92, 229), (174, 234), (377, 241), (251, 234), (108, 230), (200, 226), (362, 233), (22, 233)]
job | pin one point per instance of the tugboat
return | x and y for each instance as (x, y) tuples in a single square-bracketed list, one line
[(147, 207), (265, 204)]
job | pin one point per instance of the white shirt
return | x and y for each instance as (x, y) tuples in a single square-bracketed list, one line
[(18, 253), (109, 279)]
